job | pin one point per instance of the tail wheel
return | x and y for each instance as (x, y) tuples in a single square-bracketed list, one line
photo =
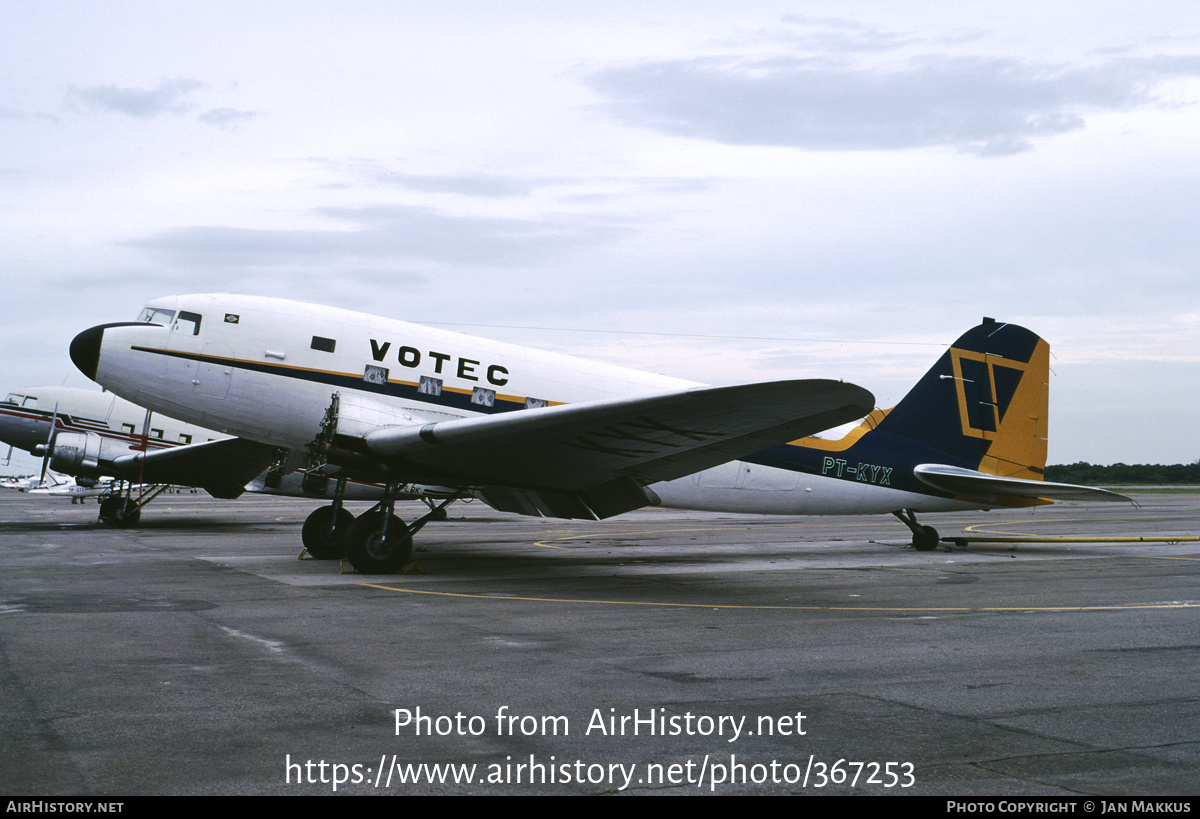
[(926, 539), (322, 538), (370, 552)]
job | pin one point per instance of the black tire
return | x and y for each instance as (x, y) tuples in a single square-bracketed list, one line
[(108, 507), (125, 514), (369, 553), (323, 540), (927, 540)]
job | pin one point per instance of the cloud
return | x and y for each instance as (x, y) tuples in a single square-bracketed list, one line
[(14, 115), (227, 118), (982, 105), (831, 34), (485, 185), (388, 234), (168, 97), (466, 184)]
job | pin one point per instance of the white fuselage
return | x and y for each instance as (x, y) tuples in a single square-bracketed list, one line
[(265, 369), (26, 417)]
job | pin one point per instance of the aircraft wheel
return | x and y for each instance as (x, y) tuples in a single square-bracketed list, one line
[(108, 508), (124, 513), (323, 540), (927, 540), (370, 553)]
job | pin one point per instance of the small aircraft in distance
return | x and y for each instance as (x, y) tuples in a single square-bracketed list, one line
[(52, 483), (446, 416), (77, 489), (90, 435), (22, 483)]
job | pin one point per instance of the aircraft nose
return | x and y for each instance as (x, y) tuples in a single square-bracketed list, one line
[(85, 350)]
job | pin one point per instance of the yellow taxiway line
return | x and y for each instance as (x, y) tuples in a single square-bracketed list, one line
[(889, 609)]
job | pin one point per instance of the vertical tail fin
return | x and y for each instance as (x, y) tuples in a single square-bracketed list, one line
[(983, 405), (973, 428)]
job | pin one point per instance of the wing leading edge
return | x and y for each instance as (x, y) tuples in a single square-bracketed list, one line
[(592, 460)]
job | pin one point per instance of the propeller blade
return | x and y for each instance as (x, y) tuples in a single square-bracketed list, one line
[(49, 444)]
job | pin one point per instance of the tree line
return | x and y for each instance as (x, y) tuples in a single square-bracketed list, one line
[(1125, 474)]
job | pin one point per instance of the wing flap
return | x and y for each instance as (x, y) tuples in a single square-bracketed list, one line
[(223, 467), (960, 481), (614, 498), (601, 450)]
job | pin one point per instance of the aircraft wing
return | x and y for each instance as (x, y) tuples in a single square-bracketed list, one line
[(960, 481), (592, 460), (222, 468)]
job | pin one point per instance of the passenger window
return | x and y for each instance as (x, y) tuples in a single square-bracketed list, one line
[(156, 433), (128, 429), (325, 345), (184, 438), (483, 396), (187, 323)]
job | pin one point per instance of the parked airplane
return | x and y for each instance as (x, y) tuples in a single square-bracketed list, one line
[(447, 416), (52, 483), (90, 434), (22, 483), (78, 490)]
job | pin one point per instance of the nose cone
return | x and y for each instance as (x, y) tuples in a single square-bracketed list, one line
[(85, 350)]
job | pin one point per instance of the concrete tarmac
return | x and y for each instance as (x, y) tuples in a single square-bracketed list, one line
[(658, 652)]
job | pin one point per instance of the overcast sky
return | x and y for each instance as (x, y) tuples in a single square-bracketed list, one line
[(731, 191)]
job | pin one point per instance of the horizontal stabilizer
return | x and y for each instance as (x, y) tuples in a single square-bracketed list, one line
[(598, 452), (223, 467), (979, 485)]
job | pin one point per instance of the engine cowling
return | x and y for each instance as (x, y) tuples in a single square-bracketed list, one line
[(76, 453)]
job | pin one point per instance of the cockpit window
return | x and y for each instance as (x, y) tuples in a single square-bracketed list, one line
[(188, 323), (13, 398), (157, 315)]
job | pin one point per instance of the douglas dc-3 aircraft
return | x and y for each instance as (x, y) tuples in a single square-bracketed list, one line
[(90, 435), (446, 416)]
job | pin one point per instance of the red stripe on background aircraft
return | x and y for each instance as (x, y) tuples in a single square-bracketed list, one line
[(446, 416)]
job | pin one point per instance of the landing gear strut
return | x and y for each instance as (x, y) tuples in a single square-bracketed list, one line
[(925, 538), (379, 542), (325, 530)]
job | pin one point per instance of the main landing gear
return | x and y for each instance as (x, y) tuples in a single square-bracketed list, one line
[(925, 538), (376, 542), (324, 532), (120, 509)]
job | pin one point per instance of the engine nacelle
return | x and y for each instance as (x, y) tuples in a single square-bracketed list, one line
[(76, 452)]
